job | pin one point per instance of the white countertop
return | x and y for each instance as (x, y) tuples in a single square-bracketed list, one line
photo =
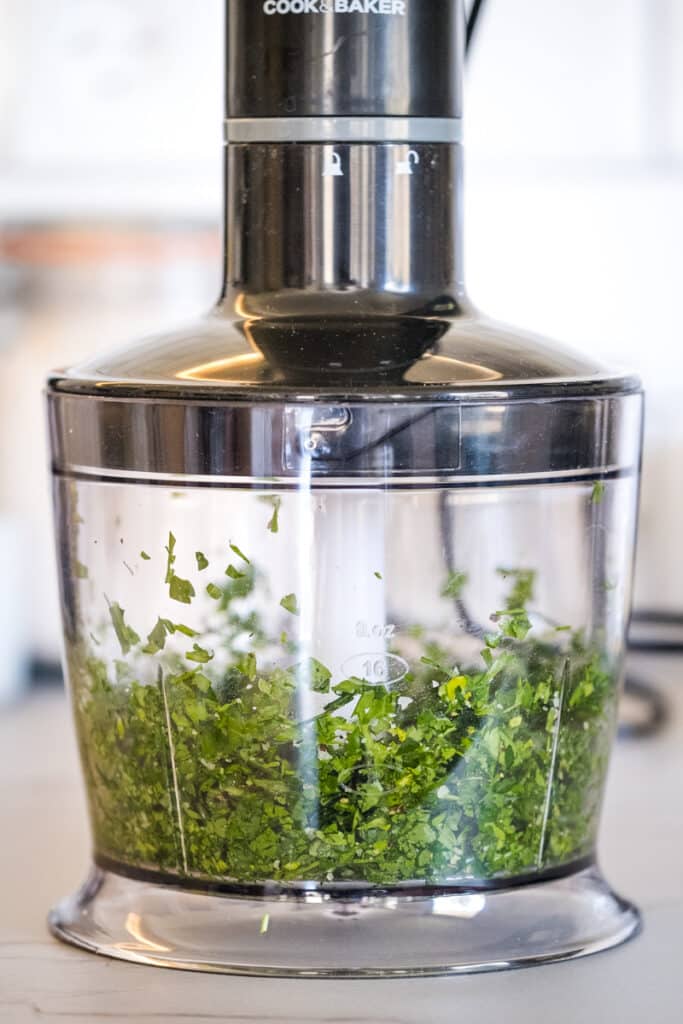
[(43, 856)]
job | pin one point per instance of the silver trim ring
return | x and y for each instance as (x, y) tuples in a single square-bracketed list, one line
[(344, 129)]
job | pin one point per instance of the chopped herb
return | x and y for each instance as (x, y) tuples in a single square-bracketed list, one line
[(156, 641), (170, 562), (186, 630), (181, 590), (80, 571), (145, 556), (247, 666), (598, 492), (234, 573), (200, 655), (265, 922), (454, 585), (240, 554), (315, 673), (213, 591), (274, 521), (378, 576), (202, 561), (126, 636), (441, 778), (523, 587), (290, 604)]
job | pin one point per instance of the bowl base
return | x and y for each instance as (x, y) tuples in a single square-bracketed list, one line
[(318, 936)]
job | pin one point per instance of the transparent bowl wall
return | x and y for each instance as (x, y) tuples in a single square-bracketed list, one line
[(350, 679)]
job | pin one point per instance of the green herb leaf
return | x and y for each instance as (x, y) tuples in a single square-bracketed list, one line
[(185, 630), (145, 556), (274, 521), (240, 554), (126, 636), (202, 561), (523, 587), (213, 591), (156, 640), (598, 492), (378, 576), (170, 561), (234, 573), (80, 571), (181, 590), (247, 666), (290, 604), (199, 655), (314, 672), (454, 585)]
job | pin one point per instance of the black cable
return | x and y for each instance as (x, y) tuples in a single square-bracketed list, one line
[(473, 22), (654, 705)]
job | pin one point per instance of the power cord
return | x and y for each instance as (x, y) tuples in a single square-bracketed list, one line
[(473, 22)]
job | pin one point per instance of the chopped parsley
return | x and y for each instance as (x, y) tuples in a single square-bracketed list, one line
[(240, 554), (474, 766), (126, 636), (274, 521), (598, 492), (181, 590), (290, 604), (454, 585)]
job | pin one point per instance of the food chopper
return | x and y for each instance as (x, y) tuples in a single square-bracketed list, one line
[(345, 566)]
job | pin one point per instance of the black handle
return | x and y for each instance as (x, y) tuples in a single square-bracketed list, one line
[(345, 58)]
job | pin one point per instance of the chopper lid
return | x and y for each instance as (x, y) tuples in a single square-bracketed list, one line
[(367, 360)]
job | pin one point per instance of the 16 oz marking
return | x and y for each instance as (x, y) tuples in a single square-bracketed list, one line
[(381, 669)]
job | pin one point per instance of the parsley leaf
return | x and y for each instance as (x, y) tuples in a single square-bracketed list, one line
[(274, 521), (156, 640), (290, 604), (199, 655), (598, 492), (170, 561), (181, 590), (240, 554), (454, 585), (126, 636)]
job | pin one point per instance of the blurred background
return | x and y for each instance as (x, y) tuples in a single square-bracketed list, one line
[(110, 195)]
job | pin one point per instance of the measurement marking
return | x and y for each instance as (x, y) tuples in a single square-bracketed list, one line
[(553, 763), (171, 747)]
